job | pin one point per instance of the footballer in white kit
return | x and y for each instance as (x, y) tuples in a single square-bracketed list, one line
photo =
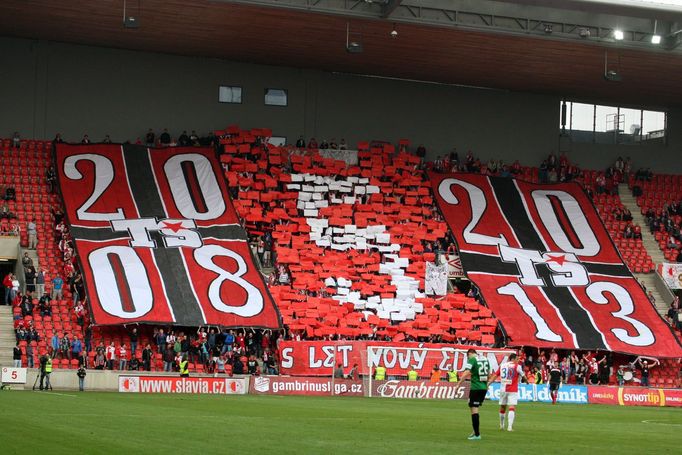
[(510, 373)]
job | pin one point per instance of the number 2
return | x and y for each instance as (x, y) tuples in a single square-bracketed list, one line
[(104, 175), (478, 206)]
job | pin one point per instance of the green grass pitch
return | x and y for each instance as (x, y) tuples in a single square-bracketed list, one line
[(89, 422)]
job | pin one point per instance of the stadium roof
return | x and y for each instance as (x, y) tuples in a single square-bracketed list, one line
[(512, 45)]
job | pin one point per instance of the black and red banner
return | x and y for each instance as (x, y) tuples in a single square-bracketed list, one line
[(547, 268), (158, 238)]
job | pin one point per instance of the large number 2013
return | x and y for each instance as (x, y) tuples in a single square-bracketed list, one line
[(588, 246)]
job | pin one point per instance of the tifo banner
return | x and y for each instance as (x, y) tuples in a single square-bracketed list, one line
[(454, 262), (575, 394), (319, 358), (287, 385), (436, 282), (634, 396), (671, 274), (423, 390), (165, 384), (158, 238), (547, 267)]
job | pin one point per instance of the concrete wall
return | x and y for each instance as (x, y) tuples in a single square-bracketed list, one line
[(48, 87)]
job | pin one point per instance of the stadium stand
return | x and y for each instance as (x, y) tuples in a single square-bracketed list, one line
[(338, 267)]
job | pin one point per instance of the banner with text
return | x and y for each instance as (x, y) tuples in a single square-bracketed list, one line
[(318, 358), (547, 268), (423, 390), (575, 394), (288, 385), (635, 396), (195, 385), (158, 238)]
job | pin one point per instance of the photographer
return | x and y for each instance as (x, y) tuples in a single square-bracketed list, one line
[(81, 378), (45, 370)]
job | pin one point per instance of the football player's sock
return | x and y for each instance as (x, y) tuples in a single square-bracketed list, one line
[(501, 418), (510, 417), (475, 424)]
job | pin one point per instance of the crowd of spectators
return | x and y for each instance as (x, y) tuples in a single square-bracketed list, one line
[(584, 367), (156, 139)]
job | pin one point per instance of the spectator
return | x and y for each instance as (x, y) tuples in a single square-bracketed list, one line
[(27, 305), (57, 284), (16, 140), (620, 374), (194, 139), (86, 139), (7, 284), (338, 372), (149, 138), (81, 378), (421, 151), (165, 138), (10, 194), (168, 358), (29, 355), (147, 356), (40, 282), (183, 139), (57, 139), (122, 357), (76, 347), (55, 344), (65, 346), (111, 355), (134, 364), (581, 372), (26, 261), (252, 365), (44, 305), (343, 145), (106, 140), (300, 143), (30, 278), (312, 143), (51, 179), (645, 366), (100, 361), (16, 356), (324, 144), (133, 341), (160, 340)]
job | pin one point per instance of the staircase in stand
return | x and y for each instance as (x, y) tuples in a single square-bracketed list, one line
[(649, 242), (7, 338)]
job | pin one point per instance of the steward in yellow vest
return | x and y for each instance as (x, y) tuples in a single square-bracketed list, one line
[(184, 368), (412, 375), (380, 373)]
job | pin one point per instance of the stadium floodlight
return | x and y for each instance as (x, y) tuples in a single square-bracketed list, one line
[(618, 35), (655, 38)]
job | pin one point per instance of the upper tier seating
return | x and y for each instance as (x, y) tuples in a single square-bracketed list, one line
[(661, 196)]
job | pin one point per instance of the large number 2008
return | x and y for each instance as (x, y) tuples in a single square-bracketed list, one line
[(134, 271)]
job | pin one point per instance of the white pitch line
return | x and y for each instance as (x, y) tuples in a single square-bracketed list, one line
[(60, 394), (654, 422)]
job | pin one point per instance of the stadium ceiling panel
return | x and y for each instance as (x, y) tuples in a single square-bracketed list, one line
[(502, 45)]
